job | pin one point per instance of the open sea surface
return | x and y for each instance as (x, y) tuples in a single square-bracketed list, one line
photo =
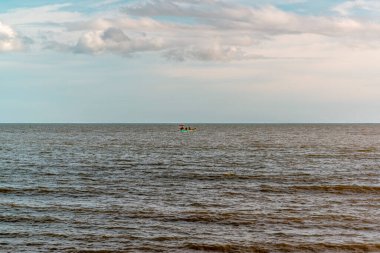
[(225, 188)]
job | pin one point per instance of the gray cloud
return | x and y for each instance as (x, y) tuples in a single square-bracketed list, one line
[(269, 20), (211, 53), (116, 41)]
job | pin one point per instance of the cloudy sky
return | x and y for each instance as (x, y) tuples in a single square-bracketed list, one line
[(190, 61)]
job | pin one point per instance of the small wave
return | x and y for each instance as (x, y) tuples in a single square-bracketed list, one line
[(217, 176), (68, 191), (40, 190), (33, 244), (207, 205), (56, 235), (328, 247), (6, 190), (284, 247), (14, 235), (95, 251), (322, 156), (199, 205), (224, 248), (367, 150), (135, 249), (29, 219), (227, 218), (337, 189), (165, 238), (360, 150)]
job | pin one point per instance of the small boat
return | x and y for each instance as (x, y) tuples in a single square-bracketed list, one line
[(186, 129)]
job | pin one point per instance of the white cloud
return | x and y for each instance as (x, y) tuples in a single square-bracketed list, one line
[(10, 40), (48, 14), (347, 8), (43, 23), (201, 30)]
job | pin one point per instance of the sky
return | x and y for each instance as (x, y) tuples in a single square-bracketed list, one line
[(215, 61)]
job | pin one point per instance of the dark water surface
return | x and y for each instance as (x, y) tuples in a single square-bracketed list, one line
[(225, 188)]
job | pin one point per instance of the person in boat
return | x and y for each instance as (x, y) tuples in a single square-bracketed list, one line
[(186, 128)]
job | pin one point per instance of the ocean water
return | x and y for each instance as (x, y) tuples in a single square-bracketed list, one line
[(224, 188)]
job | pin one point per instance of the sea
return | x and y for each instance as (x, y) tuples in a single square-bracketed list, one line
[(223, 188)]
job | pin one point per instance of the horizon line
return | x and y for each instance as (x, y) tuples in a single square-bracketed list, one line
[(172, 123)]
